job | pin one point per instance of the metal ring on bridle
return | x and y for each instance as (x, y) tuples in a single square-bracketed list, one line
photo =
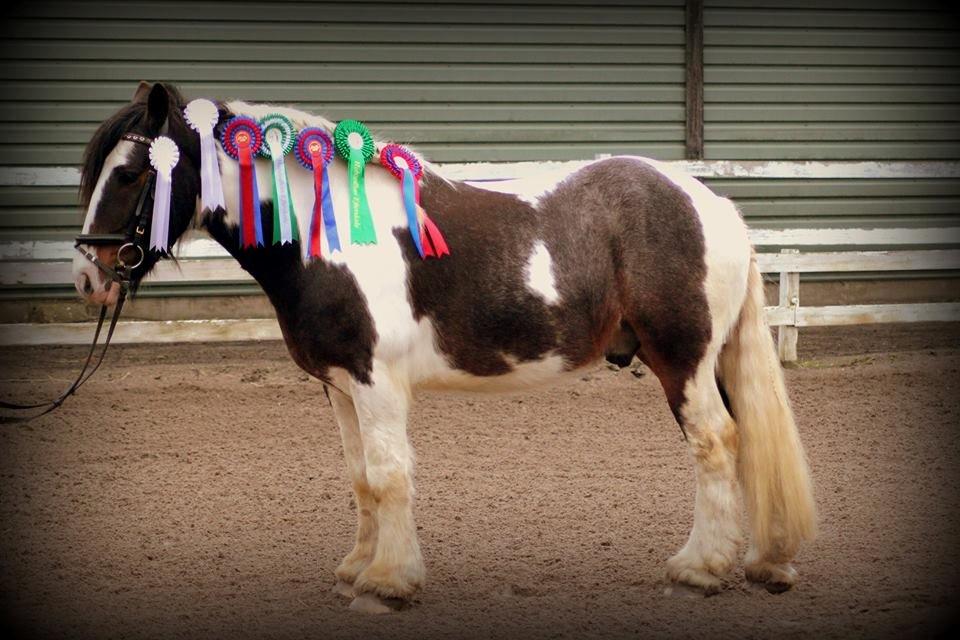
[(120, 260)]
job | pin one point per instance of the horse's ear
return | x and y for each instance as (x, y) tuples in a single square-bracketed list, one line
[(158, 108), (143, 90)]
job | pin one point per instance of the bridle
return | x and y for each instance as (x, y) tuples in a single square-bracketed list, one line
[(133, 239)]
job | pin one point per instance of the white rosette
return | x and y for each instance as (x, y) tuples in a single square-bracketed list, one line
[(202, 116), (164, 156)]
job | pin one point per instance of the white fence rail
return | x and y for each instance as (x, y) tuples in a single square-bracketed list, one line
[(788, 316), (203, 261)]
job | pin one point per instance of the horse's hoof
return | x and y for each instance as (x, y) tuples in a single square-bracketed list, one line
[(775, 578), (343, 588), (374, 604), (683, 574)]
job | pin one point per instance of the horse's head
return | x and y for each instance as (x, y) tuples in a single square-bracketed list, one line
[(115, 186)]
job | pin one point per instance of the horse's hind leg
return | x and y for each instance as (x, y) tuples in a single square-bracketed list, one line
[(366, 541), (696, 401)]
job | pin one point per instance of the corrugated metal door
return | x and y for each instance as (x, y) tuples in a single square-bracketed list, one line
[(834, 80), (462, 81)]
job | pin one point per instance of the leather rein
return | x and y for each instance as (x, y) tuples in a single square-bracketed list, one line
[(132, 240)]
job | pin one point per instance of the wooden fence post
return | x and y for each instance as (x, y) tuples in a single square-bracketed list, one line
[(694, 79), (789, 298)]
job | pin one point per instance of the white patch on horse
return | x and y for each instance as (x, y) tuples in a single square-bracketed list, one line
[(539, 273), (116, 158)]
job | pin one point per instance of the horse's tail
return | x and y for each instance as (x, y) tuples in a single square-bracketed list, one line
[(771, 463)]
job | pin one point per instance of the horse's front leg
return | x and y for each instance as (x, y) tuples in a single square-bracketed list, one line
[(366, 541), (397, 570)]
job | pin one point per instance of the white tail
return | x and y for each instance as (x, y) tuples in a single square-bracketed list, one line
[(771, 463)]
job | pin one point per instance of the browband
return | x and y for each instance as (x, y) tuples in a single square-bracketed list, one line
[(136, 137)]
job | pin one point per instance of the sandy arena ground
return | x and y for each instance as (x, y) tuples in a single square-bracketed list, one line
[(199, 492)]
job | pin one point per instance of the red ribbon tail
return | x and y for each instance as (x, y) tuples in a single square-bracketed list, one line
[(436, 238), (317, 221), (249, 231), (425, 243)]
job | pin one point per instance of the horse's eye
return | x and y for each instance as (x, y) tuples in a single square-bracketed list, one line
[(127, 176)]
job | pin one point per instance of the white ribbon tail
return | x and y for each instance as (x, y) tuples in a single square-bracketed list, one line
[(211, 186), (283, 196), (160, 225)]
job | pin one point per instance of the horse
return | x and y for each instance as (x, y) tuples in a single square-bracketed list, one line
[(624, 257)]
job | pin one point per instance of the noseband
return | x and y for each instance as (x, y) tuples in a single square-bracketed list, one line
[(131, 240)]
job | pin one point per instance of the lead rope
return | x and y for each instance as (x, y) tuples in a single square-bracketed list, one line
[(83, 376)]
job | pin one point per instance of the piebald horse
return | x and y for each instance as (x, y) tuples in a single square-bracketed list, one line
[(624, 257)]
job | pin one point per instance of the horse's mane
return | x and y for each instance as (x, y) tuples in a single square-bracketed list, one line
[(131, 117), (302, 119)]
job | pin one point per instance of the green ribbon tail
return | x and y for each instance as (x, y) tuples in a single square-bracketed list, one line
[(276, 215), (361, 220)]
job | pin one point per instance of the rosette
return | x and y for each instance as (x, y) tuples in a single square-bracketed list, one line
[(355, 144), (402, 163), (314, 151), (279, 136), (164, 156), (241, 140)]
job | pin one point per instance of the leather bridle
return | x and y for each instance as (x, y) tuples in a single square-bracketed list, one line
[(134, 239)]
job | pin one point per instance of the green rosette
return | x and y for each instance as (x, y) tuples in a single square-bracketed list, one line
[(355, 144), (281, 125), (279, 137)]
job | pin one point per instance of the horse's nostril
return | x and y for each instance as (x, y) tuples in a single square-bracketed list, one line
[(87, 285)]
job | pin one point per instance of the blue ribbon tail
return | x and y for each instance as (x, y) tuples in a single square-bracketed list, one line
[(329, 219), (410, 204)]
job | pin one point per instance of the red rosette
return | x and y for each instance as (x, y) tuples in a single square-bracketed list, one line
[(388, 158), (313, 140), (240, 126)]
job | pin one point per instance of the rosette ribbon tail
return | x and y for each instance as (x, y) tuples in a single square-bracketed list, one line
[(432, 235), (285, 229), (361, 220), (251, 232), (433, 241), (322, 209), (410, 204), (160, 224), (211, 185)]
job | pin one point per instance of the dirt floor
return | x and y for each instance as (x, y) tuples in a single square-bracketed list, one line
[(199, 491)]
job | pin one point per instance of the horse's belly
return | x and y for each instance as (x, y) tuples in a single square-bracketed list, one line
[(523, 375)]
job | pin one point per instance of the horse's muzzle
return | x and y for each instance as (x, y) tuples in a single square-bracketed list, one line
[(91, 283)]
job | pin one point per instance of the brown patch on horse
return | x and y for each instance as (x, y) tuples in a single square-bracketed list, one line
[(477, 298), (322, 312), (668, 306), (625, 245), (641, 244)]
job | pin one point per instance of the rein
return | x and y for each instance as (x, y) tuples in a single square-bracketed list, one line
[(120, 273)]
